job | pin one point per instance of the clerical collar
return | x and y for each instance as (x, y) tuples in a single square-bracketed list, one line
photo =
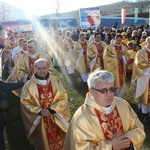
[(82, 41), (117, 44), (43, 82), (42, 78), (147, 49), (33, 55), (97, 42), (106, 109)]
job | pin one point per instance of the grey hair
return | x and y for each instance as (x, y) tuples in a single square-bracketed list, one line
[(147, 39), (67, 33), (40, 60), (100, 76)]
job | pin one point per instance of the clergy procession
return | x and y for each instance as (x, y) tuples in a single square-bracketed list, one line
[(109, 62)]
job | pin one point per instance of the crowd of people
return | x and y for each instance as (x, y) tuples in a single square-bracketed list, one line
[(108, 59)]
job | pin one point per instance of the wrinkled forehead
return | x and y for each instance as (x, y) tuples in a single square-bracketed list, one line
[(101, 85), (40, 64), (148, 40)]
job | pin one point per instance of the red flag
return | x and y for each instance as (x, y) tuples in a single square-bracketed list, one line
[(123, 15)]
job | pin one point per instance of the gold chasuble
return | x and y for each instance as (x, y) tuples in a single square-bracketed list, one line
[(95, 54), (31, 64), (18, 55), (84, 46), (115, 60), (41, 131), (120, 65), (100, 51), (81, 59), (140, 83), (68, 45), (91, 128)]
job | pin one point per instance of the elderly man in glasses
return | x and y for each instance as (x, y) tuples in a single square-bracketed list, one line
[(104, 122)]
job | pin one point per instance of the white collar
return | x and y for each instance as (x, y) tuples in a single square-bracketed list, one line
[(117, 44), (97, 42), (108, 110), (43, 82), (33, 55), (82, 41)]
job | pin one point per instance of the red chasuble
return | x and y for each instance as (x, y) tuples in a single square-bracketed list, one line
[(148, 102), (111, 123), (31, 64), (120, 65), (84, 46), (100, 51), (54, 136)]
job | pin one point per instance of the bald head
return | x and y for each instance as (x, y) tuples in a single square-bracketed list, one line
[(148, 38)]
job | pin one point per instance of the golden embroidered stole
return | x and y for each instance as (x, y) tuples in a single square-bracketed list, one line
[(54, 136), (31, 64), (120, 64), (148, 102), (84, 46), (100, 51), (111, 123)]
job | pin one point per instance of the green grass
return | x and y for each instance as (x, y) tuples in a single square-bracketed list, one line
[(14, 132), (129, 97)]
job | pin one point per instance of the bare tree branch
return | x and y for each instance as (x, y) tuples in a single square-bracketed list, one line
[(4, 10), (58, 4)]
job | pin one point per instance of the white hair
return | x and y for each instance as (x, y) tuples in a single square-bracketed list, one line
[(148, 38), (100, 76), (67, 33), (39, 61)]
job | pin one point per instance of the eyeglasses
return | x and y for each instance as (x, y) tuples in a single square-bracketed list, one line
[(104, 91), (30, 47)]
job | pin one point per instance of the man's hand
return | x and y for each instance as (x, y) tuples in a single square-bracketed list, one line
[(119, 57), (45, 112), (120, 141), (25, 80)]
